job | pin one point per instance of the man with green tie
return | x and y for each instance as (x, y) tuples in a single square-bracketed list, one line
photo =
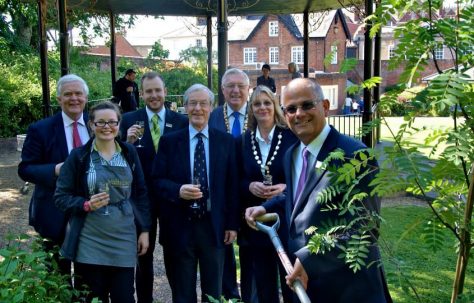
[(156, 121)]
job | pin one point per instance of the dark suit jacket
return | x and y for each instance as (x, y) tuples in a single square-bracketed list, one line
[(216, 119), (173, 121), (172, 169), (330, 279), (44, 147), (270, 82), (250, 172)]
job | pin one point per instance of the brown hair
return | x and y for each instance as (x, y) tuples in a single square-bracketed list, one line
[(104, 105), (278, 114)]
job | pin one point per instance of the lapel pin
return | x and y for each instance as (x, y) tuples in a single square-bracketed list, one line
[(168, 125)]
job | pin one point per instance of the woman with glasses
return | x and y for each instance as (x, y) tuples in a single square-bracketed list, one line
[(102, 189), (262, 149)]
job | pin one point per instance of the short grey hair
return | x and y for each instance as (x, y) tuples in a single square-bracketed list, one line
[(68, 79), (198, 87), (235, 71)]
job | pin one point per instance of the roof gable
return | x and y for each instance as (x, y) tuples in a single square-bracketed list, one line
[(122, 46)]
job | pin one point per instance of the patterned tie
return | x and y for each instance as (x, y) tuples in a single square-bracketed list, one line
[(76, 139), (155, 131), (200, 169), (236, 127), (302, 179)]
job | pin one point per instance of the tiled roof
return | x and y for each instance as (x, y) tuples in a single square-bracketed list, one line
[(123, 48)]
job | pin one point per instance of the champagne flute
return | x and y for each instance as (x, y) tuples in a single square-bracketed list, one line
[(197, 184), (103, 187), (141, 131)]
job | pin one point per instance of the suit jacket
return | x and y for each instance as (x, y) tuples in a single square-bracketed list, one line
[(172, 169), (44, 147), (173, 121), (330, 279), (216, 119), (251, 172)]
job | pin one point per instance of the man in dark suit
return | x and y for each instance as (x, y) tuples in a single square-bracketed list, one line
[(153, 92), (232, 118), (47, 145), (265, 78), (196, 221), (126, 91), (327, 277)]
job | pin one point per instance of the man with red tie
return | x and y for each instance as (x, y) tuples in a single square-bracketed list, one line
[(47, 145)]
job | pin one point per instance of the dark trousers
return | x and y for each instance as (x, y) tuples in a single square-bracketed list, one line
[(230, 289), (181, 265), (144, 272), (104, 281)]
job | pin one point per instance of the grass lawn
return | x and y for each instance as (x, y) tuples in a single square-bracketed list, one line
[(430, 273)]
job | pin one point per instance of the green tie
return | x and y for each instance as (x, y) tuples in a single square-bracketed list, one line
[(155, 131)]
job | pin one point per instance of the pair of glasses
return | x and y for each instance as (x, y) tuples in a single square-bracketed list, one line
[(232, 85), (264, 103), (111, 123), (305, 106), (202, 104)]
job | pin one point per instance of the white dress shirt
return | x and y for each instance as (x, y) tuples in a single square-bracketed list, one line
[(81, 127)]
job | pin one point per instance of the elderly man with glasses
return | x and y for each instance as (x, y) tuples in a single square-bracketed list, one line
[(326, 276)]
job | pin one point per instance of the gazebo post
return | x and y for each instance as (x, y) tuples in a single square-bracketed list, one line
[(43, 48), (113, 53), (306, 44), (63, 38), (209, 51), (367, 115), (377, 67), (221, 43)]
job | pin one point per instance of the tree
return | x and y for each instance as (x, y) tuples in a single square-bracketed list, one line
[(158, 51)]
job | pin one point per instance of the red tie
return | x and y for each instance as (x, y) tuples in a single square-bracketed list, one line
[(76, 139)]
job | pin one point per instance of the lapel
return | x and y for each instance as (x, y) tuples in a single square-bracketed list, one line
[(213, 154), (287, 165), (168, 125), (315, 176), (182, 152), (60, 135)]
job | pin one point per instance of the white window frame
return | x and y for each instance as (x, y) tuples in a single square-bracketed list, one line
[(273, 55), (439, 52), (250, 55), (297, 54), (330, 92), (390, 51), (273, 29), (334, 54), (199, 42)]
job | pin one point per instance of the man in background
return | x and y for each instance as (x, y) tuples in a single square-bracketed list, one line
[(126, 91), (265, 78)]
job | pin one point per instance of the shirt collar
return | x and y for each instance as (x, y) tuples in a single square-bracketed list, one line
[(68, 121), (242, 110), (259, 137), (315, 146), (161, 114), (193, 132)]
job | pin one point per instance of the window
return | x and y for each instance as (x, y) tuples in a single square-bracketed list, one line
[(250, 55), (274, 55), (273, 28), (297, 54), (198, 42), (330, 93), (439, 52), (391, 51), (334, 54)]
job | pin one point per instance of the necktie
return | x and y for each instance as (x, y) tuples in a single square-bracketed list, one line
[(76, 139), (200, 169), (302, 179), (155, 131), (236, 127)]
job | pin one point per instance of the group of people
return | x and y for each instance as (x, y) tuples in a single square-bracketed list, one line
[(353, 106), (104, 181)]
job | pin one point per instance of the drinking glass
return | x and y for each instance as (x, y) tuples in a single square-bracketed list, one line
[(267, 180), (197, 184), (141, 131), (103, 187)]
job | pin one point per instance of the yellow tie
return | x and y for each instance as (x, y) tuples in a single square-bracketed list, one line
[(155, 131)]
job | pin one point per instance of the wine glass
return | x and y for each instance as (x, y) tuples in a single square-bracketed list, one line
[(103, 187), (141, 131), (267, 180), (197, 184)]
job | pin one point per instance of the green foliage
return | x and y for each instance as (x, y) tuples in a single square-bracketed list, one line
[(25, 274), (158, 51)]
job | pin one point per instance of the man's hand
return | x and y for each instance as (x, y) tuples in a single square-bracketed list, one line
[(143, 243), (57, 168), (253, 212), (190, 192), (230, 236), (133, 132), (298, 274), (260, 190)]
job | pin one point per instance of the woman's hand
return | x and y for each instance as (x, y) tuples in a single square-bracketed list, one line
[(264, 191), (99, 200), (143, 243)]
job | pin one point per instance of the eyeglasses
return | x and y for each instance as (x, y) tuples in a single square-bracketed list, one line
[(232, 85), (264, 104), (202, 104), (111, 123), (305, 106)]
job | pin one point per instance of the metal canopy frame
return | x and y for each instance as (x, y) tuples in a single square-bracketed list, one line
[(207, 8)]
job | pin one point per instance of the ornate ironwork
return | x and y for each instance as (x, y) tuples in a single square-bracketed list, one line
[(211, 5)]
